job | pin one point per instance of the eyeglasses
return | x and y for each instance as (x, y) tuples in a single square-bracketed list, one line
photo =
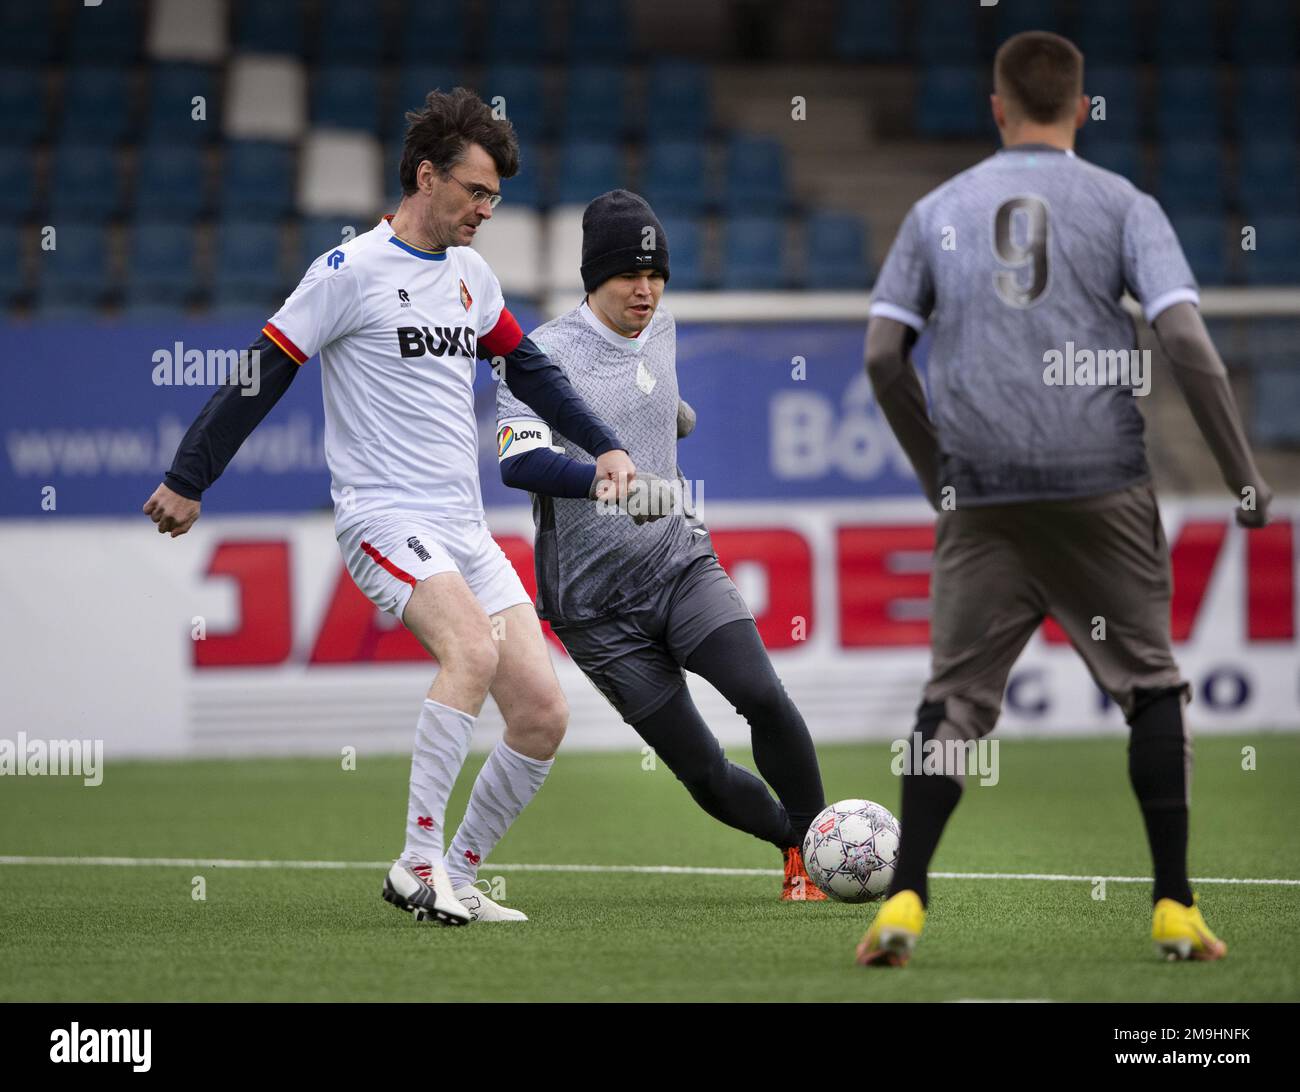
[(477, 196)]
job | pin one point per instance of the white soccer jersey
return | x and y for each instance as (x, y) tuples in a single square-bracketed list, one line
[(397, 329)]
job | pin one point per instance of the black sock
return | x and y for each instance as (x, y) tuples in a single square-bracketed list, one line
[(928, 800), (1159, 764)]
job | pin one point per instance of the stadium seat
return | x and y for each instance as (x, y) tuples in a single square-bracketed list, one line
[(595, 101), (1270, 342), (1268, 180), (17, 183), (345, 97), (1274, 397), (349, 33), (563, 248), (674, 177), (1203, 237), (597, 28), (320, 234), (170, 181), (432, 31), (687, 272), (26, 32), (268, 28), (1262, 31), (266, 99), (1108, 31), (1266, 103), (413, 86), (161, 267), (187, 30), (75, 273), (13, 274), (24, 111), (257, 179), (85, 181), (528, 188), (1185, 31), (1123, 156), (521, 88), (516, 30), (247, 269), (511, 243), (107, 33), (1188, 104), (1014, 16), (1191, 175), (953, 102), (1276, 258), (753, 254), (947, 33), (679, 101), (588, 168), (1119, 88), (869, 32), (172, 90), (755, 175), (341, 174), (836, 252), (97, 105)]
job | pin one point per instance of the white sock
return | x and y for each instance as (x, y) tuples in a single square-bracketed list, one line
[(502, 790), (441, 744)]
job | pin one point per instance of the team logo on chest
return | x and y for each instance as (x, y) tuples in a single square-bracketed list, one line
[(465, 298), (644, 379)]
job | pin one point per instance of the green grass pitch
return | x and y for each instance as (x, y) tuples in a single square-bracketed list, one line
[(116, 933)]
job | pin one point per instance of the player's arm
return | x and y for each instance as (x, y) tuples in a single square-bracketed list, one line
[(221, 427), (1201, 376), (528, 461), (898, 390)]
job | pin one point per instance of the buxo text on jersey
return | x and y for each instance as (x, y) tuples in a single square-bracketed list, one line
[(436, 341)]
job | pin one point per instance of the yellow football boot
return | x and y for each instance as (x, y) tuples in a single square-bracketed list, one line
[(893, 934), (1180, 932)]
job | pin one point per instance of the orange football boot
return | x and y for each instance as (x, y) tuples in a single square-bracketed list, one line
[(798, 885)]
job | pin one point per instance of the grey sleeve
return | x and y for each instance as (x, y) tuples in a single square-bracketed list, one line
[(1201, 376), (898, 390), (904, 291), (1155, 268)]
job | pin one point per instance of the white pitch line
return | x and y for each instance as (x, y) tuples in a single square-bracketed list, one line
[(669, 870)]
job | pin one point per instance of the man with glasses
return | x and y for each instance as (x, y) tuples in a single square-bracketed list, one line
[(399, 315)]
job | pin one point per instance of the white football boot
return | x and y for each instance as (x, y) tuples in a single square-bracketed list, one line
[(425, 891), (481, 908)]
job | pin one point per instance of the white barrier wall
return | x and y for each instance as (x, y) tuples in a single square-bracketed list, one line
[(99, 616)]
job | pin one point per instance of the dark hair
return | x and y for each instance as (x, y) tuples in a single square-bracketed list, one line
[(447, 125), (1041, 73)]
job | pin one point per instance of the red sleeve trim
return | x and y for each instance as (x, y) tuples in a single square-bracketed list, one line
[(504, 337), (294, 353)]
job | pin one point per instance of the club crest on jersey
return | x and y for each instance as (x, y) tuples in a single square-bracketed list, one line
[(465, 298)]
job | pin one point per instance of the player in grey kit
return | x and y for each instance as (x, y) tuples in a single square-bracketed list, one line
[(1045, 504), (637, 594)]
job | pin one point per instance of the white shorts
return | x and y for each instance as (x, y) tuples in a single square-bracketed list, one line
[(389, 553)]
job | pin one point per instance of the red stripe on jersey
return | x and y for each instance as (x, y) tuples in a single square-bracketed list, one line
[(296, 354), (504, 337), (381, 560)]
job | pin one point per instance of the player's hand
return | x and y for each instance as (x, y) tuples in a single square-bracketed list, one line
[(617, 467), (650, 498), (173, 513), (1257, 515), (685, 419)]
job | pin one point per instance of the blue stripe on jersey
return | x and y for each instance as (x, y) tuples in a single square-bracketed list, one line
[(427, 255)]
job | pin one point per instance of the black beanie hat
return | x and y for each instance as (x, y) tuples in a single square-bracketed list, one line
[(614, 236)]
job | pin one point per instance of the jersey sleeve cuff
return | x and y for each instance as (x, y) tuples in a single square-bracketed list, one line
[(882, 309), (182, 488), (291, 350), (504, 338), (1163, 302)]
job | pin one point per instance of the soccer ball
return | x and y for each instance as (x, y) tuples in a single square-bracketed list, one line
[(850, 850)]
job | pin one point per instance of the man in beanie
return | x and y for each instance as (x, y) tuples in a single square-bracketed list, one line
[(634, 590)]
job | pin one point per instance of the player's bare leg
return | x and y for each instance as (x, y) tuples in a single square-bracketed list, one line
[(448, 621), (528, 694)]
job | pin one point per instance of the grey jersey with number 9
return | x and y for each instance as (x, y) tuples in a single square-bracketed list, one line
[(1018, 259)]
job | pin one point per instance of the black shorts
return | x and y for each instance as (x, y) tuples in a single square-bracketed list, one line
[(636, 658)]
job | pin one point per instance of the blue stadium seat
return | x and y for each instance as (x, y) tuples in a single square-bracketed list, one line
[(1270, 342), (97, 105), (685, 252), (13, 278), (75, 273), (947, 33), (26, 32), (1191, 175), (517, 30), (1123, 155), (1119, 87), (754, 253), (170, 181), (529, 187), (598, 28), (433, 31), (755, 175), (24, 110), (679, 100), (837, 252), (268, 28), (112, 31), (349, 33), (1202, 237), (1188, 104), (1014, 16), (953, 102), (1266, 103), (1262, 31), (318, 234), (674, 176), (247, 270), (1274, 397), (85, 182), (257, 178), (1108, 31), (161, 268), (17, 183), (869, 31), (1268, 180), (525, 102), (595, 101), (345, 97), (1185, 31), (588, 168), (171, 104), (1276, 258), (413, 86)]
